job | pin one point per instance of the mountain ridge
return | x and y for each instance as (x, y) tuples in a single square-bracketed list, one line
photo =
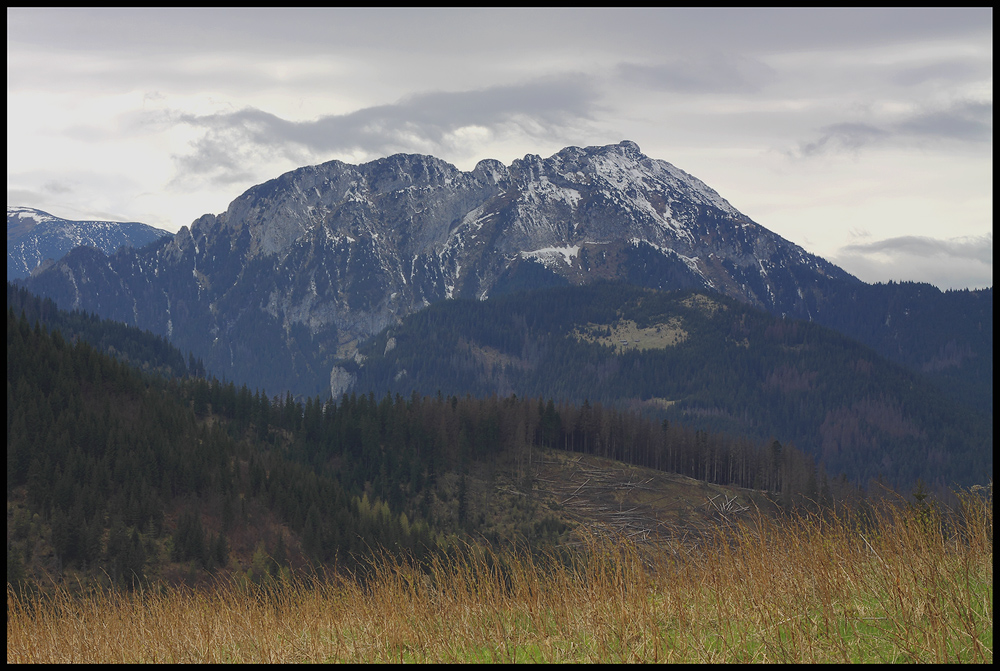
[(35, 238), (301, 269)]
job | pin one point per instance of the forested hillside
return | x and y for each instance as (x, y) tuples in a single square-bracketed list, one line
[(145, 350), (123, 476), (112, 468), (697, 358), (946, 336)]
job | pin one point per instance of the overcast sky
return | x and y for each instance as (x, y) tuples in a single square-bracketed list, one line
[(863, 135)]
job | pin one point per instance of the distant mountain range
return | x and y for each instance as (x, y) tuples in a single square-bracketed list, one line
[(36, 239), (300, 270)]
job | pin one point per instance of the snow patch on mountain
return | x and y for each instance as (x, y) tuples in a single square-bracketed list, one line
[(552, 255), (544, 191), (693, 263), (22, 213)]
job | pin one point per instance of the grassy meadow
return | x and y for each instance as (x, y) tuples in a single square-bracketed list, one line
[(905, 584)]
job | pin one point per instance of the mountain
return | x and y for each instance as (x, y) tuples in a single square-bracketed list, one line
[(694, 357), (35, 237), (301, 269)]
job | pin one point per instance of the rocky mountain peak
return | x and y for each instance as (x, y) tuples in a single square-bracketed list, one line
[(343, 250), (490, 169), (629, 147)]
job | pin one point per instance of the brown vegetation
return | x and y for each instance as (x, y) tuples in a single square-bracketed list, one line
[(886, 583)]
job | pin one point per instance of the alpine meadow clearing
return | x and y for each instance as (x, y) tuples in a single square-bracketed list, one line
[(894, 583)]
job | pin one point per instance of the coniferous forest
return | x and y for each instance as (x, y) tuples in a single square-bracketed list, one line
[(135, 465), (710, 363)]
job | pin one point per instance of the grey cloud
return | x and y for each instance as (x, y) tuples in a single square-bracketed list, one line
[(966, 121), (972, 121), (53, 186), (978, 248), (91, 134), (128, 124), (715, 73), (850, 136), (958, 263), (950, 71), (26, 198), (223, 158), (942, 273), (548, 106), (302, 30)]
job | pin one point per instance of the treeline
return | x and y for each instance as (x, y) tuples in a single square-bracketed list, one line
[(397, 444), (395, 448)]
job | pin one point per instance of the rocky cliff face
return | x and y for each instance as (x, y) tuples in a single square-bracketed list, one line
[(326, 255)]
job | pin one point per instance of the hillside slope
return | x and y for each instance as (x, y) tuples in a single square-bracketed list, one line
[(698, 358)]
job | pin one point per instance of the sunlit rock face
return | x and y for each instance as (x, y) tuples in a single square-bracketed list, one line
[(326, 255)]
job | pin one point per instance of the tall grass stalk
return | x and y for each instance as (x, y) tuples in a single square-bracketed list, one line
[(901, 583)]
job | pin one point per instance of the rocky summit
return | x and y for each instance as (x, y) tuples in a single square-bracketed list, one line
[(324, 256), (409, 230)]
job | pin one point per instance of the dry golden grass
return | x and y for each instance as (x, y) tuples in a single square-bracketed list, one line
[(910, 586)]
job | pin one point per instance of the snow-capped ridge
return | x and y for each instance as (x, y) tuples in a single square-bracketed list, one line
[(35, 238)]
